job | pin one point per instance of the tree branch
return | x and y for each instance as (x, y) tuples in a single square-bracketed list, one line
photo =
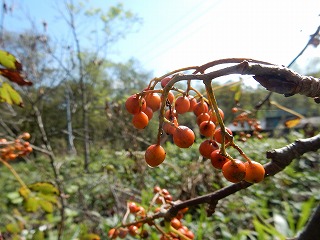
[(280, 158)]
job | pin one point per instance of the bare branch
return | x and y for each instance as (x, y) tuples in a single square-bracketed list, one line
[(280, 158)]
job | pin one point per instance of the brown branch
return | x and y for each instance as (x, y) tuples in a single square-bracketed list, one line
[(275, 78), (266, 99), (280, 158)]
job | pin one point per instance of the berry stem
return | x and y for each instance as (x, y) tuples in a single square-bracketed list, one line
[(16, 175), (286, 109), (172, 229), (214, 105), (241, 152)]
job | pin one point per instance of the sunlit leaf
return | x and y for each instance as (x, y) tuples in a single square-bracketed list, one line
[(237, 92), (44, 187), (15, 76), (9, 61), (9, 95), (46, 206), (292, 122), (4, 95), (31, 204)]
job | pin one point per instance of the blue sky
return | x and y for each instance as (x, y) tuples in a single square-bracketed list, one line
[(181, 33)]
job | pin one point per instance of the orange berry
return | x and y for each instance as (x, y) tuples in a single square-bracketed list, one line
[(234, 170), (168, 128), (12, 156), (133, 230), (140, 120), (207, 128), (200, 107), (207, 147), (193, 103), (175, 223), (218, 135), (217, 160), (154, 155), (135, 104), (123, 232), (149, 112), (26, 136), (182, 104), (213, 115), (156, 189), (170, 97), (170, 114), (202, 117), (254, 172), (113, 233), (183, 137), (165, 81), (133, 207), (234, 109), (153, 101)]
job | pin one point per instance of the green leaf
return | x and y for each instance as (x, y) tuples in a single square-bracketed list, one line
[(9, 61), (44, 187), (31, 204), (289, 217), (13, 228), (238, 91), (48, 197), (46, 205), (305, 213), (38, 235), (9, 95)]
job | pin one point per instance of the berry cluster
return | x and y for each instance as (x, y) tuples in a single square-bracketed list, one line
[(10, 150), (161, 201), (243, 117), (209, 118)]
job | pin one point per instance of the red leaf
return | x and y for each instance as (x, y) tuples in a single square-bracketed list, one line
[(15, 76)]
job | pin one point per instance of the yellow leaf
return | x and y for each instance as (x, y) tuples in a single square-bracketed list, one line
[(46, 206), (9, 61), (4, 95), (44, 187), (24, 192), (292, 122), (9, 95), (31, 204), (90, 236)]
